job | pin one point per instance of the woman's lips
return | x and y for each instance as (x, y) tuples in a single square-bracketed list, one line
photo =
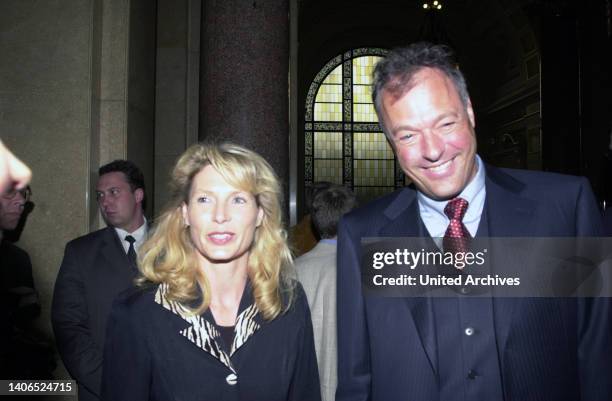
[(220, 238)]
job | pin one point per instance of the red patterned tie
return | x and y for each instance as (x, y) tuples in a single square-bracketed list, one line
[(457, 237)]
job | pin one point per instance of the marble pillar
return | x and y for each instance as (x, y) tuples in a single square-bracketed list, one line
[(244, 75)]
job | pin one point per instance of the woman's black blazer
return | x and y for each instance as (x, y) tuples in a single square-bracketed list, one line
[(156, 350)]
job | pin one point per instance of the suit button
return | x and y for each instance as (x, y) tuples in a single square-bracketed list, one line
[(472, 374), (231, 379), (469, 331)]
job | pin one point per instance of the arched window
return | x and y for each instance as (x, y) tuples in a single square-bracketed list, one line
[(343, 142)]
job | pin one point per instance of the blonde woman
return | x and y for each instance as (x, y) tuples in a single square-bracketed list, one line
[(218, 314)]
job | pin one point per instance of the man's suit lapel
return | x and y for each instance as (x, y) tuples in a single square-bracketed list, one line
[(114, 255), (405, 221), (508, 214)]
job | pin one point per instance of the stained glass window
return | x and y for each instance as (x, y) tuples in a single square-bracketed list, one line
[(343, 142), (328, 103)]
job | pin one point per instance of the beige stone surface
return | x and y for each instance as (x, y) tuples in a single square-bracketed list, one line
[(45, 92), (64, 111)]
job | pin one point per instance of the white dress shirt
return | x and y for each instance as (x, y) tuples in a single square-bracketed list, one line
[(140, 235)]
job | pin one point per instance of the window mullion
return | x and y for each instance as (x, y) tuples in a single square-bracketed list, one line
[(347, 132)]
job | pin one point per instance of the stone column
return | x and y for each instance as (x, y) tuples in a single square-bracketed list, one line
[(244, 77)]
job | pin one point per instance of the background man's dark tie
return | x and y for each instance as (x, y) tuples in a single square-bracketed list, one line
[(131, 253)]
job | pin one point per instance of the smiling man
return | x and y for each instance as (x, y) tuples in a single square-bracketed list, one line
[(462, 348), (95, 269), (432, 132)]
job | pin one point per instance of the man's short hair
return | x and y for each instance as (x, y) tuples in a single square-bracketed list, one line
[(312, 191), (395, 73), (132, 173), (328, 206)]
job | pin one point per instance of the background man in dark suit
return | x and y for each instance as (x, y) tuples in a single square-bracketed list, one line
[(462, 347), (22, 354), (95, 269)]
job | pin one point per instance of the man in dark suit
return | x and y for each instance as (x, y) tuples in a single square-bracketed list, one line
[(95, 269), (20, 357), (463, 347)]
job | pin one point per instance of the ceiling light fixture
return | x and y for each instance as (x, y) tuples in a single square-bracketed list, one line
[(434, 5)]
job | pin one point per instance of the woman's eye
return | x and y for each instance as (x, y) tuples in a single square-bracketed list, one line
[(202, 199), (240, 200)]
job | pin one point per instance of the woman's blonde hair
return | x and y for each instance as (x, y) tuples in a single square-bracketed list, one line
[(169, 256)]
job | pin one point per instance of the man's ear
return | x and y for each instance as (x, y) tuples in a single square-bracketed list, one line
[(139, 195), (470, 113), (185, 214)]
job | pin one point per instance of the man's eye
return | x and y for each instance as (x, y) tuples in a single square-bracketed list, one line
[(448, 125), (99, 195), (115, 192), (405, 138)]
